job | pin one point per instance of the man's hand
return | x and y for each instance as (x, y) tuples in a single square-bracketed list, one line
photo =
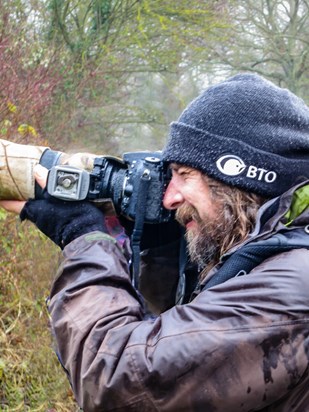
[(61, 221), (15, 206)]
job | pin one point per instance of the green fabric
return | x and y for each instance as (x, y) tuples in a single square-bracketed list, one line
[(299, 204), (99, 236)]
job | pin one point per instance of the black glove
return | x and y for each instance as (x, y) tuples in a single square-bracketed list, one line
[(63, 221)]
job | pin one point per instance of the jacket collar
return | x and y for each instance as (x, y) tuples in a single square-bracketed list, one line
[(272, 217)]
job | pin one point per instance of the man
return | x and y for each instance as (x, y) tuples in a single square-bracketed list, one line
[(239, 156)]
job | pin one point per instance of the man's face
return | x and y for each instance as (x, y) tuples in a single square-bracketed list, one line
[(189, 193)]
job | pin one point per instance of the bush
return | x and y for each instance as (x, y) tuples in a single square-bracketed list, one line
[(31, 377)]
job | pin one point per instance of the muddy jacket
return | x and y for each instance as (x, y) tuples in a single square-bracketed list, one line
[(242, 345)]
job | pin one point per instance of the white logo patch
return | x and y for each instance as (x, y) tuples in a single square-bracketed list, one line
[(230, 165)]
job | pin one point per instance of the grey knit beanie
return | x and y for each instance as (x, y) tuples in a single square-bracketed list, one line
[(245, 132)]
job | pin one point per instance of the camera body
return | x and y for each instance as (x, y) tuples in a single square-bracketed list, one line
[(137, 181)]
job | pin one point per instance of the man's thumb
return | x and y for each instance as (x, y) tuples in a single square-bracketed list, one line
[(40, 174)]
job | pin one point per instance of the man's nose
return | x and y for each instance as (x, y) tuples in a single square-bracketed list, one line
[(172, 198)]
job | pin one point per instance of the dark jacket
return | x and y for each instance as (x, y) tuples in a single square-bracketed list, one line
[(242, 345)]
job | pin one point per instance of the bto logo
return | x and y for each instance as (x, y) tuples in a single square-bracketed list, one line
[(231, 165)]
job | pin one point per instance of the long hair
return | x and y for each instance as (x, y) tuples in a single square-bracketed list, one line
[(237, 213)]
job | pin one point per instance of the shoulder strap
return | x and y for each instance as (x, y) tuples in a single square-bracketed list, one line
[(252, 254)]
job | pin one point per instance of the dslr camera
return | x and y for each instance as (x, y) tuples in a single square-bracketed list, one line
[(135, 184)]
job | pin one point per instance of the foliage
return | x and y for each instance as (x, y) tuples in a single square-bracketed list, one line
[(84, 27), (30, 375), (132, 43), (269, 38), (27, 83)]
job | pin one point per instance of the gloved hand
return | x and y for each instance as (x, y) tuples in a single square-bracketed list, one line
[(63, 221)]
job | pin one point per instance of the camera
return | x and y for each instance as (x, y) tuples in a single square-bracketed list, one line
[(135, 184)]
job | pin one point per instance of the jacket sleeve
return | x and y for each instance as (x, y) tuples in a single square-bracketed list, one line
[(238, 346)]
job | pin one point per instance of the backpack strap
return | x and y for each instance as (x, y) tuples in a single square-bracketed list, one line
[(252, 254)]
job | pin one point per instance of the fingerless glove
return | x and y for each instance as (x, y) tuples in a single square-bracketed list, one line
[(63, 221)]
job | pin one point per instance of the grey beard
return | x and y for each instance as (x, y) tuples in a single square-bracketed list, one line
[(202, 246)]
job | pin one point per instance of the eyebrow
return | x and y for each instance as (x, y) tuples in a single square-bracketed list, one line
[(174, 166)]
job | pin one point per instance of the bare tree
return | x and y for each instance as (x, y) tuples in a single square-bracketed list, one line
[(269, 37)]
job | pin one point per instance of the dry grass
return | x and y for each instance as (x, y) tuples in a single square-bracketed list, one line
[(31, 378)]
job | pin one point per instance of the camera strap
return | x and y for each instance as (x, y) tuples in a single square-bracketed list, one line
[(183, 259), (138, 226)]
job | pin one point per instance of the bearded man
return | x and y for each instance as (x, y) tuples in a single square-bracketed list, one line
[(239, 157), (225, 217)]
